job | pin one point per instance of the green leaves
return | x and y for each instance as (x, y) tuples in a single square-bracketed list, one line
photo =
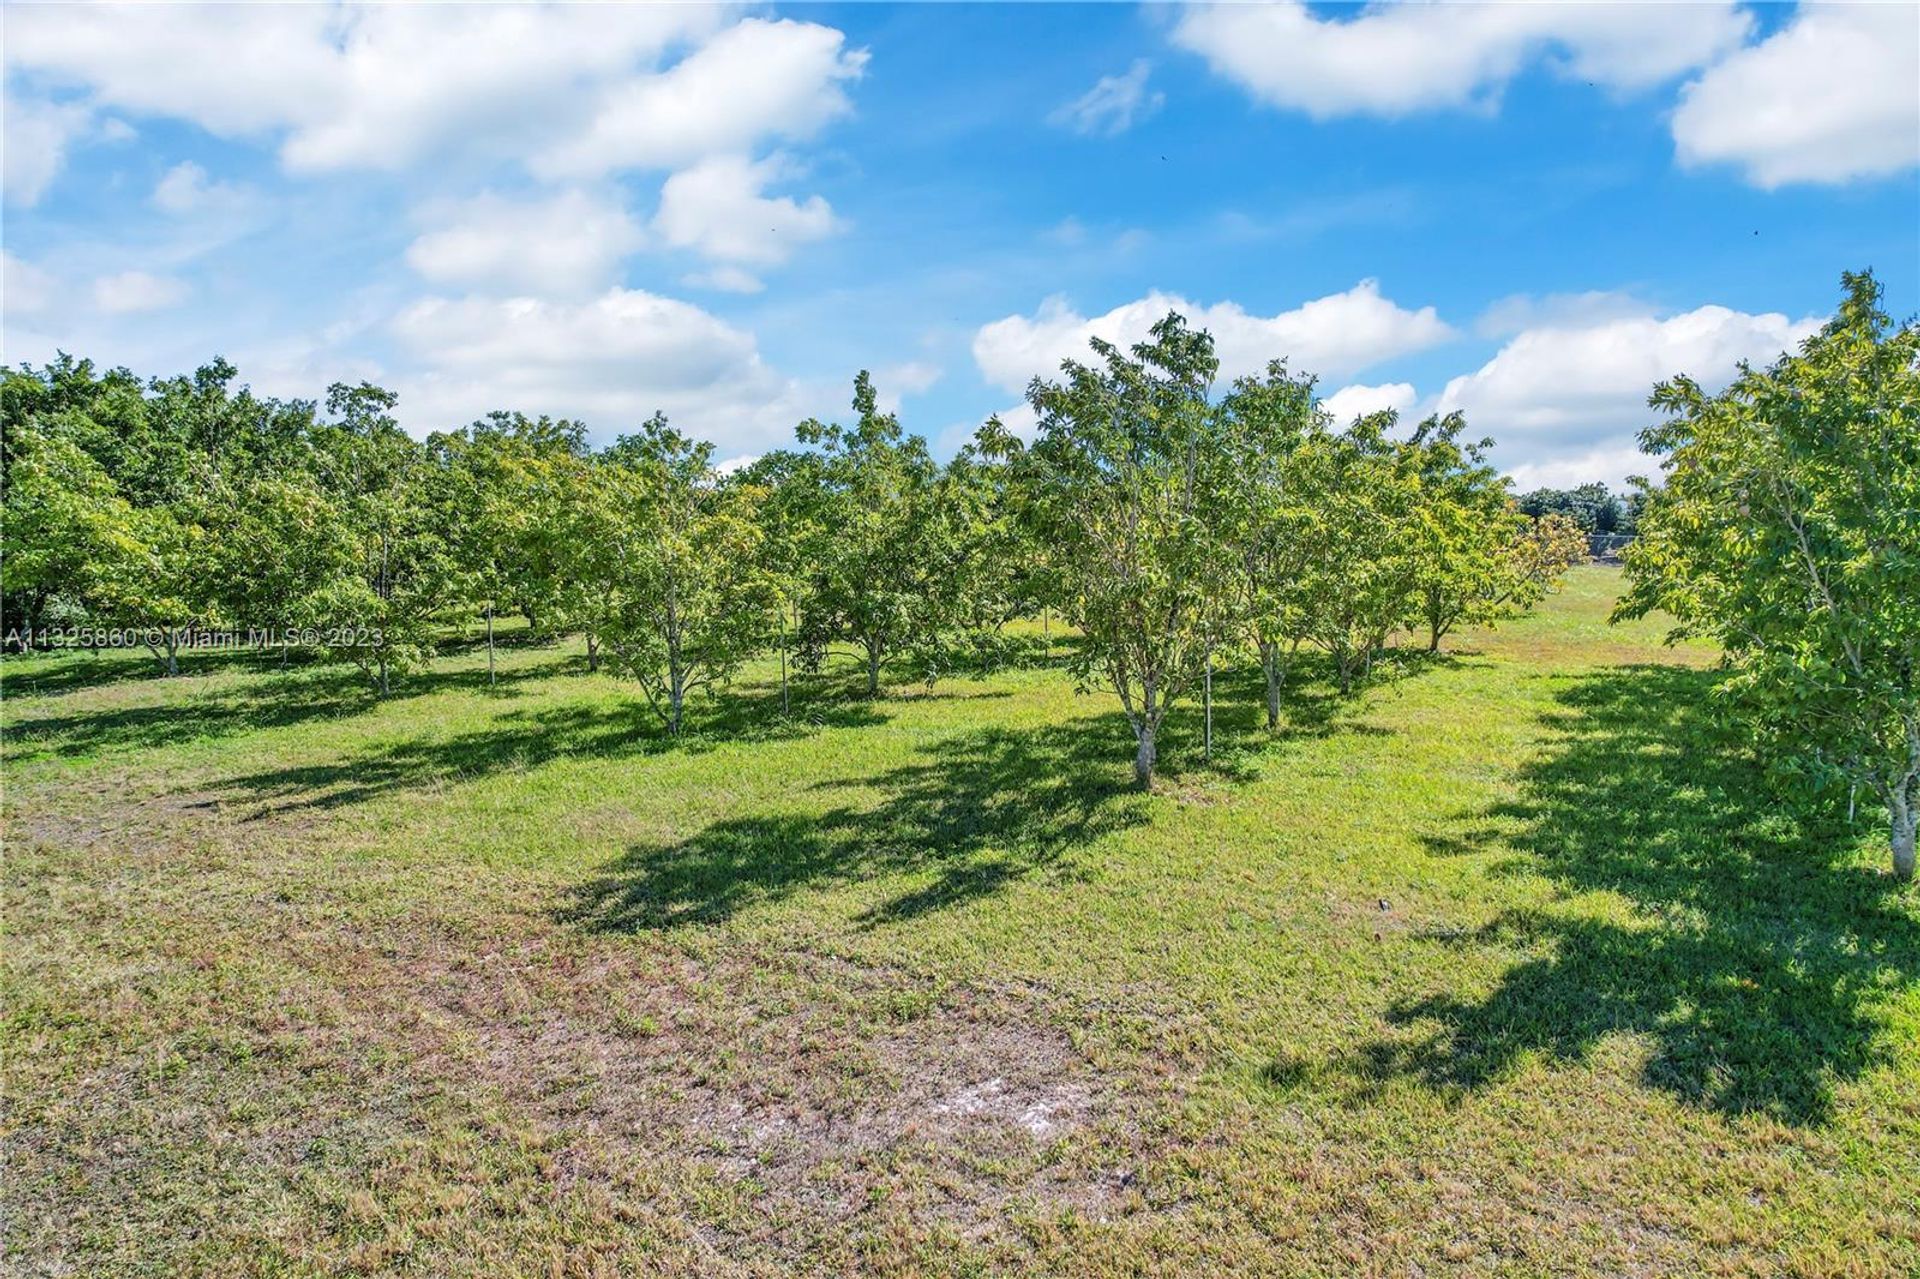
[(1119, 487), (685, 592), (1787, 527)]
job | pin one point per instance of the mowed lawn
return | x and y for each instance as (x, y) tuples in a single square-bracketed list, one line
[(1507, 965)]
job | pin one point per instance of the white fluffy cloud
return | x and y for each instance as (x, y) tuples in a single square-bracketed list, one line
[(572, 90), (132, 291), (611, 361), (38, 136), (895, 382), (1350, 402), (28, 288), (724, 279), (1580, 386), (1395, 59), (1611, 464), (1330, 336), (568, 245), (185, 190), (1833, 95), (1113, 105), (716, 208), (1520, 311), (753, 81)]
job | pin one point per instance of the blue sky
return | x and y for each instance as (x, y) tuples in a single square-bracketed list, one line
[(1528, 212)]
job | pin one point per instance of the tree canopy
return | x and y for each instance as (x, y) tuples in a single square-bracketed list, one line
[(1787, 528)]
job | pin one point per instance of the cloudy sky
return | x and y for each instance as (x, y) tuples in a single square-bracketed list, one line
[(1529, 212)]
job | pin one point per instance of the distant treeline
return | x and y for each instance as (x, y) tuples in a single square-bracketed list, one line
[(1593, 507)]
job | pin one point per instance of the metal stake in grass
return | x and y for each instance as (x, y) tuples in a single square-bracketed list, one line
[(1206, 699)]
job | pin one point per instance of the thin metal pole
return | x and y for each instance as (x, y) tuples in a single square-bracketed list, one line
[(1207, 746)]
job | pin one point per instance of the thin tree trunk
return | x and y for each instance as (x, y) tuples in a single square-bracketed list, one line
[(1145, 758), (489, 646), (593, 652), (873, 668), (1270, 663), (1904, 813), (1144, 730), (384, 688)]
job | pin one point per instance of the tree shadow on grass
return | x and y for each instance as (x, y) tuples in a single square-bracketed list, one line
[(303, 695), (55, 673), (518, 740), (1760, 959), (973, 815), (1312, 709), (307, 697), (979, 811)]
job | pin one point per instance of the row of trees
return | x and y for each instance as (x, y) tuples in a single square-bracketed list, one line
[(1170, 527), (1174, 525)]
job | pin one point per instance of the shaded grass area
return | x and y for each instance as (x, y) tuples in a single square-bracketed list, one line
[(1755, 953), (980, 810), (1510, 965)]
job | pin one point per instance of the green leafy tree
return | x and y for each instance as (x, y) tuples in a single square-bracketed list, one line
[(517, 476), (1356, 509), (1119, 485), (400, 505), (278, 545), (790, 538), (689, 598), (175, 588), (879, 557), (71, 538), (1479, 560), (1787, 527), (1267, 419), (1591, 506)]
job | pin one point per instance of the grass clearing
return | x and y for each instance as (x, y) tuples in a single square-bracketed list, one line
[(1508, 966)]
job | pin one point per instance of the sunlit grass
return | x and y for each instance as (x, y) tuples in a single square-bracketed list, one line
[(1509, 965)]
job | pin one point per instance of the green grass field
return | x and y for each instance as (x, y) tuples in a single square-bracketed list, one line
[(1508, 965)]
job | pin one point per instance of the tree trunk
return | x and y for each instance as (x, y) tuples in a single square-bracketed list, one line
[(489, 646), (385, 688), (1904, 813), (173, 653), (873, 668), (1433, 643), (1276, 675), (1145, 758), (1145, 727), (593, 652), (676, 701)]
